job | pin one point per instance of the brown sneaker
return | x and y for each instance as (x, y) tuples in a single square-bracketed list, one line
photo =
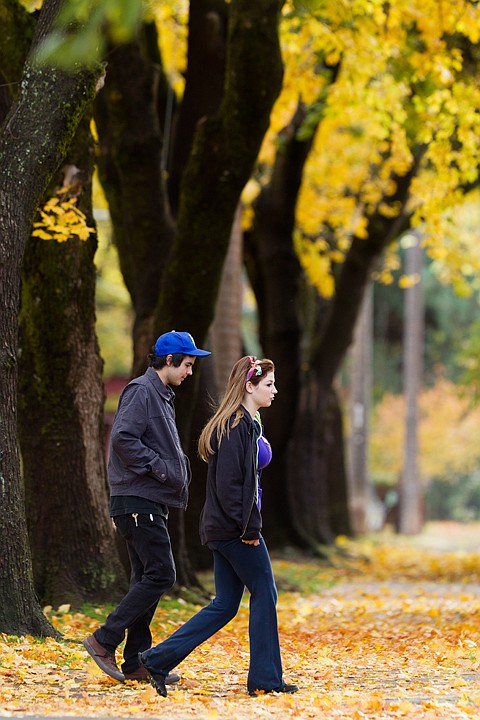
[(141, 675), (104, 658)]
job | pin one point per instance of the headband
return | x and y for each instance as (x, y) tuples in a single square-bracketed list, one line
[(254, 369)]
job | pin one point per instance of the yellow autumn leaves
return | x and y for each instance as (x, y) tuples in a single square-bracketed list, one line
[(61, 219), (401, 85), (389, 629)]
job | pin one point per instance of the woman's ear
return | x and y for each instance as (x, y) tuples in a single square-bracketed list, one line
[(249, 387)]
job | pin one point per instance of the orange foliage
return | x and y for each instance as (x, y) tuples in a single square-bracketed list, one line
[(448, 434)]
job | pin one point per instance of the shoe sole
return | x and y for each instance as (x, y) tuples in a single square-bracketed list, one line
[(171, 679), (104, 668)]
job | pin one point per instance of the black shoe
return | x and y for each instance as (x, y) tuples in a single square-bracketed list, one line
[(288, 689), (156, 680), (285, 688), (141, 675)]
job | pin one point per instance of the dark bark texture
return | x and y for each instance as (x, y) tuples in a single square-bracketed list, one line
[(323, 513), (33, 138), (61, 397), (276, 276), (222, 158), (305, 486), (130, 157), (233, 78)]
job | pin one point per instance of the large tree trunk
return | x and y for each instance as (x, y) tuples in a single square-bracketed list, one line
[(311, 466), (279, 286), (325, 467), (226, 345), (318, 509), (208, 179), (130, 142), (61, 395), (137, 134), (40, 124), (276, 277), (132, 112), (222, 158), (204, 83)]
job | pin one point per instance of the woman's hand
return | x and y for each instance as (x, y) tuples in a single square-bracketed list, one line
[(251, 542)]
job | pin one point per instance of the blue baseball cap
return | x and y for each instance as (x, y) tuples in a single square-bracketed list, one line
[(178, 342)]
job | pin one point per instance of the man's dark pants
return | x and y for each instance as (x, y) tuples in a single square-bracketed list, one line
[(152, 575)]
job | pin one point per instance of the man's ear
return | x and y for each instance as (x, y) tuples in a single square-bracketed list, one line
[(168, 360)]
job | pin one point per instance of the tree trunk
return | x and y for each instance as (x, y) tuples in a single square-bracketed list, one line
[(314, 468), (276, 276), (225, 331), (130, 141), (226, 344), (328, 352), (61, 395), (204, 84), (222, 158), (127, 112), (38, 127), (209, 177), (137, 132)]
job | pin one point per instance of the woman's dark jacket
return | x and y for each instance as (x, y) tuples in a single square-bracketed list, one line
[(146, 456), (230, 510)]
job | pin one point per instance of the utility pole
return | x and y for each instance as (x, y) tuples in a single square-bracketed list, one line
[(361, 384), (410, 519)]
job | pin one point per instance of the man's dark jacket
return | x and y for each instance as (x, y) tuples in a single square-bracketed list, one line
[(146, 456)]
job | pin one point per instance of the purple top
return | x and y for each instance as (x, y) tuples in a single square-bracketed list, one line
[(264, 452), (264, 456)]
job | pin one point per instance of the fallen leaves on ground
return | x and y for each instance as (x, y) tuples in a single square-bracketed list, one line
[(392, 630)]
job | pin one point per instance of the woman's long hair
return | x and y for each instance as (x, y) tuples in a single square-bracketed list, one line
[(246, 369)]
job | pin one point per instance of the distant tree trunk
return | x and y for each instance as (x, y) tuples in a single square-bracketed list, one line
[(32, 140), (410, 506), (61, 395), (225, 332)]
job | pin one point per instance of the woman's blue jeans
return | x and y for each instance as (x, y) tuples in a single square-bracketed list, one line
[(236, 566)]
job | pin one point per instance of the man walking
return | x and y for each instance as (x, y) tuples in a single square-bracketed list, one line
[(148, 472)]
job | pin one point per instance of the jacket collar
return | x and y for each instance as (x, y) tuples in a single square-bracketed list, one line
[(165, 391)]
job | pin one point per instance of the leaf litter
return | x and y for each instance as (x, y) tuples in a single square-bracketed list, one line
[(391, 629)]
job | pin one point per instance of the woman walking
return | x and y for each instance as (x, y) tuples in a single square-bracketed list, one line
[(233, 445)]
